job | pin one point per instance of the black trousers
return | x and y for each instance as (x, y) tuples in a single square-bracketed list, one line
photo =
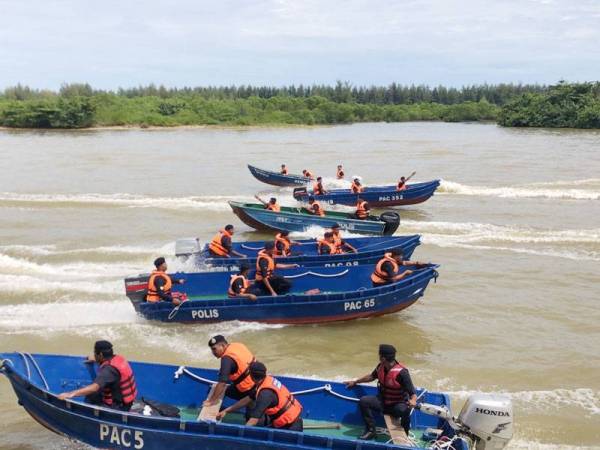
[(96, 399), (296, 425), (371, 403), (279, 284)]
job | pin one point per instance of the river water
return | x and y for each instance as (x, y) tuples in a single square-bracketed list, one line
[(515, 226)]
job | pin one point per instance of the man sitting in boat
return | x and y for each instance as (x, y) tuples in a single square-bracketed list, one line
[(318, 188), (396, 395), (274, 404), (267, 283), (160, 283), (235, 368), (114, 385), (271, 205), (340, 172), (362, 209), (401, 184), (387, 269), (220, 246), (340, 243), (240, 286), (314, 207), (326, 246), (283, 244), (356, 187), (283, 170), (307, 174)]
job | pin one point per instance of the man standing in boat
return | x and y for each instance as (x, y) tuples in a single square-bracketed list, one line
[(220, 246), (266, 280), (284, 170), (340, 172), (318, 188), (160, 283), (396, 396), (274, 404), (114, 385)]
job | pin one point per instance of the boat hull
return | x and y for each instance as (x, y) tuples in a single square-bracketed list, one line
[(277, 179)]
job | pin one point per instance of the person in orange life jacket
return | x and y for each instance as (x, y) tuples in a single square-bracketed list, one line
[(387, 269), (240, 286), (340, 172), (401, 184), (283, 244), (235, 369), (307, 174), (267, 283), (318, 188), (362, 209), (284, 170), (356, 187), (220, 246), (159, 284), (339, 242), (271, 205), (273, 403), (396, 395), (326, 246), (314, 207), (114, 385)]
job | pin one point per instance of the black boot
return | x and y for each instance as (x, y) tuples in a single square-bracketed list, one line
[(368, 435)]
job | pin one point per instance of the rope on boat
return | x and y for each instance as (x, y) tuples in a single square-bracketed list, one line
[(174, 311), (321, 275), (182, 370), (38, 370), (26, 365), (326, 388), (418, 398)]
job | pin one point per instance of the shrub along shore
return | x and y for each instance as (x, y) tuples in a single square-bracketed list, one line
[(80, 106)]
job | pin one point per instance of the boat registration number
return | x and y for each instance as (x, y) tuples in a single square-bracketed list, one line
[(340, 264), (389, 198), (122, 437), (359, 304)]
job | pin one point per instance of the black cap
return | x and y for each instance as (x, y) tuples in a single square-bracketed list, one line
[(159, 262), (387, 351), (216, 340), (269, 245), (328, 234), (284, 232), (273, 200), (258, 370), (102, 347), (229, 227), (319, 178)]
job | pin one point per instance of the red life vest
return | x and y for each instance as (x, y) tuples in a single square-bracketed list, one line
[(215, 245), (401, 186), (391, 391), (316, 209), (152, 294), (361, 210), (379, 276), (307, 174), (337, 240), (285, 244), (288, 409), (243, 358), (273, 207), (127, 389), (284, 171), (340, 174), (330, 248), (245, 285), (318, 189), (263, 255), (356, 188)]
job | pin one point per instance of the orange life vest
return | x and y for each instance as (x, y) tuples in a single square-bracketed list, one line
[(340, 174), (215, 245), (401, 186), (318, 189), (273, 207), (152, 295), (243, 358), (127, 389), (361, 210), (356, 188), (379, 276), (288, 409), (307, 174), (285, 243), (263, 255), (337, 240), (245, 286), (284, 171), (331, 248), (391, 391), (316, 209)]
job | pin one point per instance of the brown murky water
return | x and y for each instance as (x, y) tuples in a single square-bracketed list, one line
[(515, 225)]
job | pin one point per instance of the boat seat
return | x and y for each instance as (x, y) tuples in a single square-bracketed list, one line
[(210, 412), (396, 430)]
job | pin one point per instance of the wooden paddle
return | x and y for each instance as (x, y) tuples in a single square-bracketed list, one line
[(323, 426), (410, 176), (210, 412)]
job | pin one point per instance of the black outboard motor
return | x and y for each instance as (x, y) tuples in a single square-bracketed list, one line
[(300, 192), (136, 288), (391, 220)]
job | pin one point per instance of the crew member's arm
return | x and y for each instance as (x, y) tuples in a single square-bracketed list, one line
[(404, 379), (269, 287), (286, 266), (228, 366), (226, 243), (159, 282), (106, 375), (348, 246), (414, 263), (86, 390), (364, 379), (236, 406), (266, 399), (237, 288)]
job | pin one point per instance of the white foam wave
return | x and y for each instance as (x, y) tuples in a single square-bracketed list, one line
[(51, 250), (26, 284), (213, 203), (593, 182), (314, 232), (523, 444), (450, 187)]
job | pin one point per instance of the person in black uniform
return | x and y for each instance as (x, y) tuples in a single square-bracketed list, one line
[(396, 396), (267, 283), (159, 286)]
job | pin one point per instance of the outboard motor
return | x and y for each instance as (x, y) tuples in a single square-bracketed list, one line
[(391, 220), (136, 288), (300, 192), (184, 248), (485, 421)]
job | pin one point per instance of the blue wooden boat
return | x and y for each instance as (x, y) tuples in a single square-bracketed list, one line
[(37, 379), (345, 293), (370, 250), (377, 196), (297, 219), (277, 179)]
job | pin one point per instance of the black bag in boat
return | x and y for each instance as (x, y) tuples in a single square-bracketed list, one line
[(156, 408)]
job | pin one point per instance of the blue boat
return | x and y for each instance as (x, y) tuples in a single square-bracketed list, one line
[(377, 196), (297, 219), (330, 411), (346, 293), (370, 250), (277, 179)]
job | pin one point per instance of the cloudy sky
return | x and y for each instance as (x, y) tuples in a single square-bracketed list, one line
[(44, 43)]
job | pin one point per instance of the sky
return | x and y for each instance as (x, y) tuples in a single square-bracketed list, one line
[(111, 44)]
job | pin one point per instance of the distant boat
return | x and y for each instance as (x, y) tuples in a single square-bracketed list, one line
[(277, 179), (297, 219), (345, 293), (376, 196)]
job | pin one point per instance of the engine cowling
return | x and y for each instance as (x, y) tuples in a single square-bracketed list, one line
[(490, 419)]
